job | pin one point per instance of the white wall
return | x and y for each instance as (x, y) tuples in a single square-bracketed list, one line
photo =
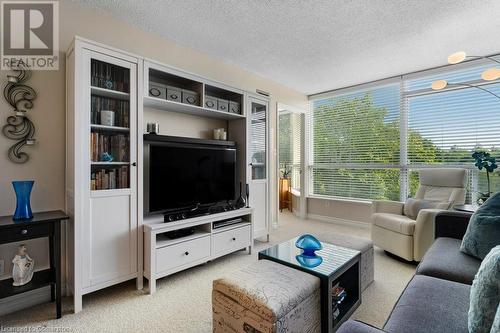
[(46, 165)]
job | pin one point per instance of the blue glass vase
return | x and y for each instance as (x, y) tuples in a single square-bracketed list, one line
[(309, 244), (23, 193)]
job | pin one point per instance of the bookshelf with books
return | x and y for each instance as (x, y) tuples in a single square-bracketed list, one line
[(109, 178), (110, 124), (119, 107), (109, 76), (101, 167)]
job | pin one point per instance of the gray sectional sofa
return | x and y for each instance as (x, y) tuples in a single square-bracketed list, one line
[(437, 298)]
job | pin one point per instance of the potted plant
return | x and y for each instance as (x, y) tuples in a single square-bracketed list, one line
[(484, 160), (285, 172), (284, 188)]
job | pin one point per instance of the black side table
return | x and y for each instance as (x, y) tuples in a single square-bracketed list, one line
[(339, 266), (466, 208), (43, 224)]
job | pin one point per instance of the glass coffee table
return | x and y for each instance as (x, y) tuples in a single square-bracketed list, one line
[(338, 270)]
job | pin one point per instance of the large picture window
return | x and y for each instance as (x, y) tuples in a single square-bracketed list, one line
[(368, 143), (356, 144)]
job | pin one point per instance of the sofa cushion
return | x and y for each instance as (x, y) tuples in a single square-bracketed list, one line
[(413, 206), (495, 328), (445, 261), (485, 293), (353, 326), (398, 223), (430, 305), (483, 231)]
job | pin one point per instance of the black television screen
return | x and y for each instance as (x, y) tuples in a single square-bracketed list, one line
[(183, 175)]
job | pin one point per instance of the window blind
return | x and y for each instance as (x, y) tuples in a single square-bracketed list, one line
[(356, 144), (296, 126), (356, 147), (445, 127), (290, 141)]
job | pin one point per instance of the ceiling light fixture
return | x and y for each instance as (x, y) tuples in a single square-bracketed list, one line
[(439, 84), (457, 57), (490, 74)]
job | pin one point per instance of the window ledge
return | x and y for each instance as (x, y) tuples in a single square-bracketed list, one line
[(350, 200)]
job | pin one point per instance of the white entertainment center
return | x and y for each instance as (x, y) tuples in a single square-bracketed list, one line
[(164, 256), (111, 237)]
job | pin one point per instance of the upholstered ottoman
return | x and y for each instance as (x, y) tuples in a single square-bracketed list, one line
[(266, 297), (363, 245)]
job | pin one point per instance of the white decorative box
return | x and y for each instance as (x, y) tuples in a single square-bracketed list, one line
[(157, 90), (234, 107), (210, 102), (190, 97), (174, 94), (222, 104)]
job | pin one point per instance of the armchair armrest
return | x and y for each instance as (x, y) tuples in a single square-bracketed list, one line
[(385, 206), (353, 326), (452, 224), (423, 237)]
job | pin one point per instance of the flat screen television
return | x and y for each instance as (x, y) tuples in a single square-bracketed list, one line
[(182, 175)]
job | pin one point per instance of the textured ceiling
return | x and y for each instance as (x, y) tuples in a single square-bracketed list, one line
[(318, 45)]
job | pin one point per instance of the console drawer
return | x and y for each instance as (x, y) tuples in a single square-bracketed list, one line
[(26, 231), (231, 240), (170, 257)]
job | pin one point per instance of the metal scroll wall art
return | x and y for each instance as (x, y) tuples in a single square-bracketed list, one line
[(19, 127)]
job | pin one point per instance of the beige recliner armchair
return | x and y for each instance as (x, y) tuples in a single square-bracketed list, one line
[(408, 237)]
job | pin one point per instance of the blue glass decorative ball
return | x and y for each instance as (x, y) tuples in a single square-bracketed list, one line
[(309, 261), (309, 244)]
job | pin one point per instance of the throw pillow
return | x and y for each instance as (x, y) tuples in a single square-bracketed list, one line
[(495, 328), (413, 206), (483, 231), (485, 294)]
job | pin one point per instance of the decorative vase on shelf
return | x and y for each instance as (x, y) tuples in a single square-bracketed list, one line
[(23, 192), (308, 244)]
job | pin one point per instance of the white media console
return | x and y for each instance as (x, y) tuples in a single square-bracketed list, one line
[(164, 256)]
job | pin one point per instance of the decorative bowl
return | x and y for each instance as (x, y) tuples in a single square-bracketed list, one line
[(308, 244)]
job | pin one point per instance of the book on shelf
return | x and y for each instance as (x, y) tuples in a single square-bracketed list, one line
[(115, 145), (338, 295), (108, 76), (109, 178), (121, 109)]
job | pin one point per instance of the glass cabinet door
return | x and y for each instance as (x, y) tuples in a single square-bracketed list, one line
[(110, 124), (258, 134)]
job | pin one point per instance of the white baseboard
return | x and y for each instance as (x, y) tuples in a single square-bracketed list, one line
[(24, 300), (340, 221)]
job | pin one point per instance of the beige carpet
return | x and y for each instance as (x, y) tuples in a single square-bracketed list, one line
[(182, 302)]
